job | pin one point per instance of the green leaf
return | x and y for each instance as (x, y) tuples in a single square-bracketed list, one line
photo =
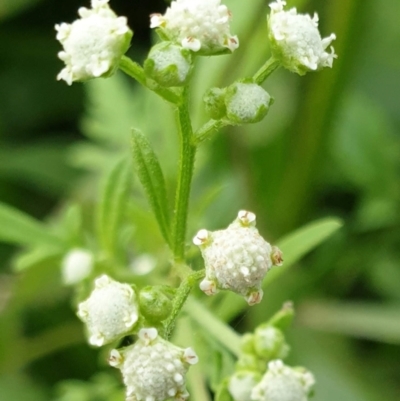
[(152, 179), (294, 247), (300, 242), (33, 257), (112, 205), (19, 228), (361, 320)]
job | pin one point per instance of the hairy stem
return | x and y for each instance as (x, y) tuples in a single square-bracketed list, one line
[(208, 129), (266, 70), (179, 300)]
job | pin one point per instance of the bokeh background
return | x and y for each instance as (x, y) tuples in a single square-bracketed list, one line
[(329, 147)]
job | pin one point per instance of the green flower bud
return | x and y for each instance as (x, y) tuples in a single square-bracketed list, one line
[(269, 343), (154, 304), (247, 343), (246, 102), (168, 64), (214, 103)]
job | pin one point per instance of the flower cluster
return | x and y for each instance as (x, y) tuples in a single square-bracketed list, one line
[(94, 44), (237, 258), (296, 41), (152, 368), (198, 25)]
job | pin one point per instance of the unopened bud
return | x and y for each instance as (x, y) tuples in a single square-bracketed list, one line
[(168, 64)]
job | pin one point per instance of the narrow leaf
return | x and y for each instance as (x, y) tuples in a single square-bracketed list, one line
[(360, 320), (294, 247), (300, 242), (19, 228), (112, 205), (152, 179)]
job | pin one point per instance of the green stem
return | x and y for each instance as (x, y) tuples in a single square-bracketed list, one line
[(179, 300), (134, 70), (208, 129), (215, 327), (185, 174), (266, 70)]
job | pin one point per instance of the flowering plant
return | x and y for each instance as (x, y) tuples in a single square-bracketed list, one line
[(138, 319)]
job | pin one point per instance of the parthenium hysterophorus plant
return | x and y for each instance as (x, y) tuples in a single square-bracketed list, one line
[(236, 258)]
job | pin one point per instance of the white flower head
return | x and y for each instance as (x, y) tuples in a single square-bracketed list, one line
[(153, 369), (76, 266), (110, 312), (198, 25), (283, 383), (93, 44), (296, 41), (236, 258)]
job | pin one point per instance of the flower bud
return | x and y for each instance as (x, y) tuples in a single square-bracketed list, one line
[(110, 312), (246, 102), (168, 64), (283, 383), (214, 101), (296, 41), (155, 305), (201, 26), (94, 44), (269, 343), (242, 383), (236, 258), (76, 266), (153, 368)]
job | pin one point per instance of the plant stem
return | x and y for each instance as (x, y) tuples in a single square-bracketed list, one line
[(218, 329), (208, 129), (179, 300), (266, 70), (185, 174), (135, 71)]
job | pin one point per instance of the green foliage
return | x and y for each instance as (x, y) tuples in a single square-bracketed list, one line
[(17, 227), (329, 148), (112, 205), (152, 179)]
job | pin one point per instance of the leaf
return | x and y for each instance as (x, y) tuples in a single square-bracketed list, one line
[(19, 228), (361, 320), (294, 247), (112, 205), (152, 179), (300, 242), (33, 257)]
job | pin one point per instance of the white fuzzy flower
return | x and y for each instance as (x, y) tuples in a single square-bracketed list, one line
[(236, 258), (283, 383), (110, 312), (296, 41), (93, 44), (153, 369), (198, 25), (76, 266)]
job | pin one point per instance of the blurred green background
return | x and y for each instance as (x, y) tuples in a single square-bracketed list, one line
[(329, 147)]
